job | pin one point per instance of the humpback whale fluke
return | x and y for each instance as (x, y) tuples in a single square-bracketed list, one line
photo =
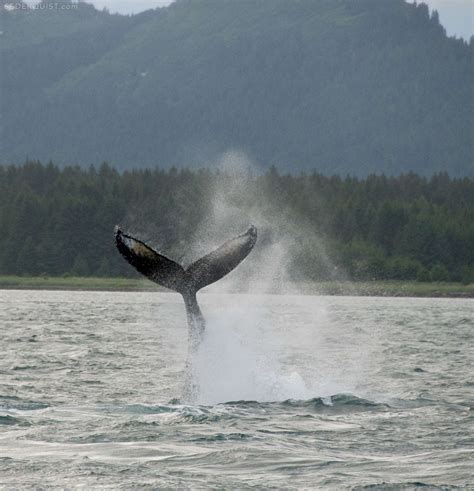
[(186, 281), (168, 273)]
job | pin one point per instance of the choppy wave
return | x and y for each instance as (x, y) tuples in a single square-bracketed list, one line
[(14, 403), (351, 394)]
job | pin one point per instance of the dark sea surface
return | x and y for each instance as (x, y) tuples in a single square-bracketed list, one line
[(296, 392)]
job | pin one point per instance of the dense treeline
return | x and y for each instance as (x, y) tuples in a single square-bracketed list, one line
[(59, 221), (343, 86)]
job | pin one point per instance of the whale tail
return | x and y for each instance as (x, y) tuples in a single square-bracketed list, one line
[(187, 281)]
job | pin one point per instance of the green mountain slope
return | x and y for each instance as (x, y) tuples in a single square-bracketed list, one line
[(336, 85)]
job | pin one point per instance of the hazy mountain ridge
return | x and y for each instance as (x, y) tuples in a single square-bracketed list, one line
[(339, 86)]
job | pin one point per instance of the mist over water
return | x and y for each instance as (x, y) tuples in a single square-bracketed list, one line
[(238, 358)]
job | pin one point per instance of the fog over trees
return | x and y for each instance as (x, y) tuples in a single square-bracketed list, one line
[(60, 221)]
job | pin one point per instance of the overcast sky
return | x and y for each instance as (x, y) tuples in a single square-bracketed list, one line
[(457, 16)]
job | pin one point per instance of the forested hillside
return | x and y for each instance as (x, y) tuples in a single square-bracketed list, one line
[(57, 222), (339, 86)]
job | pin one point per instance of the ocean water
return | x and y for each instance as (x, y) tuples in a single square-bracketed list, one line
[(295, 392)]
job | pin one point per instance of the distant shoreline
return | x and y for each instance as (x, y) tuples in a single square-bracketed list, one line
[(357, 288)]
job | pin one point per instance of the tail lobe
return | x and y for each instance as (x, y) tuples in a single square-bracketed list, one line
[(215, 265)]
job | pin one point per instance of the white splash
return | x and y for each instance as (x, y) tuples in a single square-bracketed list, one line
[(239, 360)]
